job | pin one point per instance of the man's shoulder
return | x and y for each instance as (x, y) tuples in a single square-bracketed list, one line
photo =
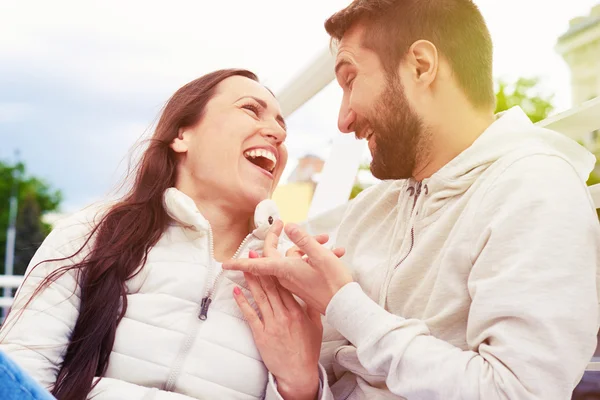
[(534, 166), (541, 181)]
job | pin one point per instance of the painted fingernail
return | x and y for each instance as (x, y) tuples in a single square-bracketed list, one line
[(237, 291), (253, 254)]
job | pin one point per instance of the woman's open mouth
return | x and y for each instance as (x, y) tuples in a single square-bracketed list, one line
[(262, 158)]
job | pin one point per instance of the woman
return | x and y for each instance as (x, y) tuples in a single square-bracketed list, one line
[(135, 293)]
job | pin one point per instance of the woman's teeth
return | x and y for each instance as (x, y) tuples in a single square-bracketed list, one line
[(261, 153), (269, 163)]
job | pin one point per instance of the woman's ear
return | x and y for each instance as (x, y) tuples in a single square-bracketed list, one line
[(180, 143)]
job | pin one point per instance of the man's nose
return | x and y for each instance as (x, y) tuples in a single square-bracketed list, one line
[(346, 119)]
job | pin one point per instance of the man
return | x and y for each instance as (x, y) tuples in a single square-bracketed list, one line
[(473, 265)]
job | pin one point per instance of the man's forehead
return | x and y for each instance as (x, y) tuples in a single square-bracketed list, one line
[(351, 46), (353, 37)]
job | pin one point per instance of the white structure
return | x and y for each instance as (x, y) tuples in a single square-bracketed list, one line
[(580, 47)]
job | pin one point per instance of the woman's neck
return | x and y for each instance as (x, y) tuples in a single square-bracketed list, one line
[(229, 224), (228, 228)]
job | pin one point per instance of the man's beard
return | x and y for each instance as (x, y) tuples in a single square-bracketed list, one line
[(399, 134)]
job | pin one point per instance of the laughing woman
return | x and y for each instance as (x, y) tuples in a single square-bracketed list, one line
[(131, 302)]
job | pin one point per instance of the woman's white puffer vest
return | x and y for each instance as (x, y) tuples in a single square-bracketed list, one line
[(183, 335)]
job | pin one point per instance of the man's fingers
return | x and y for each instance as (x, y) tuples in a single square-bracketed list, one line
[(277, 267), (306, 243), (249, 313), (314, 316), (272, 240), (260, 296), (294, 251)]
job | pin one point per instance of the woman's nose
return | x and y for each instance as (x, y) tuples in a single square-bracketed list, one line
[(276, 135)]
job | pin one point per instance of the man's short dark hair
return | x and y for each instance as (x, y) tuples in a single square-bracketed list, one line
[(455, 27)]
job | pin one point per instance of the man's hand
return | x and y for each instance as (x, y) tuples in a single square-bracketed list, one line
[(315, 278)]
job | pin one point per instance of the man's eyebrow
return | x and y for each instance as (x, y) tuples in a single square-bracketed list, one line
[(264, 105)]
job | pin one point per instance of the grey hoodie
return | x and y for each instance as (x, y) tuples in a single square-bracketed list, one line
[(477, 283)]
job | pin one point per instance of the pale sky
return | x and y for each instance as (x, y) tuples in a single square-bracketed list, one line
[(80, 82)]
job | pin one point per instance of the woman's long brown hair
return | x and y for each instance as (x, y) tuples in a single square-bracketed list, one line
[(122, 239)]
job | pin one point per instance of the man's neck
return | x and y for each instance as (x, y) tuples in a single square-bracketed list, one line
[(454, 132)]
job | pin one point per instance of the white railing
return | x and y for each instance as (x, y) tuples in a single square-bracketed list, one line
[(7, 283)]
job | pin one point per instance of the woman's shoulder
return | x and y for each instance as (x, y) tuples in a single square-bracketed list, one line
[(70, 232)]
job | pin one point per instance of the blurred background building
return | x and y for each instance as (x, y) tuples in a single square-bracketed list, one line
[(580, 48)]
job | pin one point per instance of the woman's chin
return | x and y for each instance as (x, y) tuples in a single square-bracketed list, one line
[(255, 195)]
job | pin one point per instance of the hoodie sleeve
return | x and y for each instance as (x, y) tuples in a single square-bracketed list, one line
[(534, 313)]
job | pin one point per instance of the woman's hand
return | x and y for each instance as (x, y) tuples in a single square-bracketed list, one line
[(287, 334)]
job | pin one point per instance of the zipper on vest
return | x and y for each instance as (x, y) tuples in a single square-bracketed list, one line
[(210, 290), (202, 315)]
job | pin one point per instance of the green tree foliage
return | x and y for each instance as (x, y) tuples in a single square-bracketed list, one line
[(36, 197), (525, 94)]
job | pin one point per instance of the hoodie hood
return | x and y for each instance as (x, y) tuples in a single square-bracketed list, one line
[(512, 131)]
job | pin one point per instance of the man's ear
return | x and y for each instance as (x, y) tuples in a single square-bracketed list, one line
[(423, 61), (180, 143)]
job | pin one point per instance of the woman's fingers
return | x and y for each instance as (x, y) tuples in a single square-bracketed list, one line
[(322, 238), (270, 287), (272, 240), (259, 295), (288, 299), (249, 313), (339, 252)]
